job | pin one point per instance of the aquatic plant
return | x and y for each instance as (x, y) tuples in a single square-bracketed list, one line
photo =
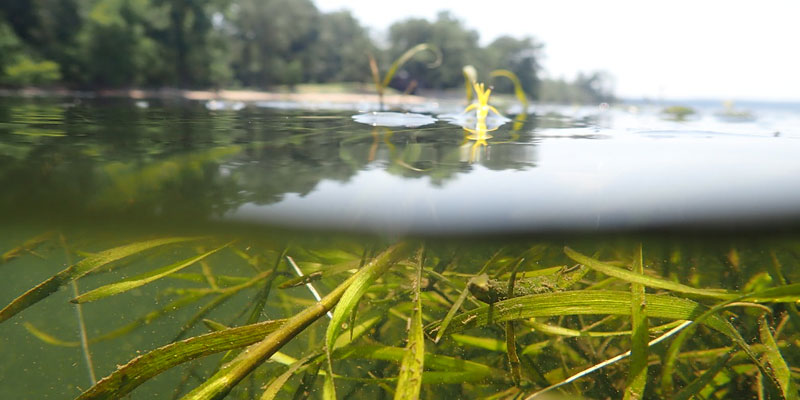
[(434, 319), (382, 84), (678, 113), (482, 107), (471, 78)]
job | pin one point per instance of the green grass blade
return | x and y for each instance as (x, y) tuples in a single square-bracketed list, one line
[(409, 381), (584, 302), (231, 373), (141, 280), (694, 387), (518, 91), (28, 246), (276, 385), (480, 342), (649, 281), (140, 369), (779, 367), (637, 372), (83, 267), (361, 282), (48, 338), (451, 313), (407, 56), (434, 362)]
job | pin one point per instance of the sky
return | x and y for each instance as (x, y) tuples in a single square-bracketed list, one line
[(677, 49)]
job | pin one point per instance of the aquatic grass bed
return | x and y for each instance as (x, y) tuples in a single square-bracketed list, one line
[(467, 318)]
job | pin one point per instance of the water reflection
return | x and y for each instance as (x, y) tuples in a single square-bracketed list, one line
[(186, 161), (183, 161)]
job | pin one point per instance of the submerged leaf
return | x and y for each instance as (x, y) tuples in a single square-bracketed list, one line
[(140, 369), (141, 280), (629, 276), (637, 375), (83, 267), (409, 381), (780, 369), (583, 302), (231, 373)]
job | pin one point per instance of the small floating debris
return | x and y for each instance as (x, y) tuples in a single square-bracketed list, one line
[(219, 105), (142, 104), (393, 119)]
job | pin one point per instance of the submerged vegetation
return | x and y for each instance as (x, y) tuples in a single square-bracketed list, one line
[(363, 317)]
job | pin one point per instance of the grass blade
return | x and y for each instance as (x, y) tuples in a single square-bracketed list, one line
[(356, 290), (141, 280), (773, 356), (649, 281), (637, 375), (230, 374), (28, 246), (75, 271), (584, 302), (694, 387), (409, 381), (140, 369), (407, 56), (276, 385), (518, 91)]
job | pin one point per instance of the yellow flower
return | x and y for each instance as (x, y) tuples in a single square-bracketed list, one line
[(482, 107)]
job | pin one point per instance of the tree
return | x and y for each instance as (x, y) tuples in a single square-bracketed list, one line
[(340, 50), (459, 47), (520, 56), (271, 35)]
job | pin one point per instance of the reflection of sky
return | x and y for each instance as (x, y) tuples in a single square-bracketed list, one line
[(630, 181)]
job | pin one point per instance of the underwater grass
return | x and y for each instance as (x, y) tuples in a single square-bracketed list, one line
[(428, 319)]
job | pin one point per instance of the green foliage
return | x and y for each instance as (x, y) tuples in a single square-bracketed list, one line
[(252, 43), (29, 72), (457, 44), (519, 56), (593, 88), (385, 293)]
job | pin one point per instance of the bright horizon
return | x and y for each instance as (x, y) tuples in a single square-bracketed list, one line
[(669, 50)]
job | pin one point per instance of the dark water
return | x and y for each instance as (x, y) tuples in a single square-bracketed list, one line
[(104, 172)]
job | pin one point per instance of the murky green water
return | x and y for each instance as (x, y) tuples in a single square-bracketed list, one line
[(713, 203)]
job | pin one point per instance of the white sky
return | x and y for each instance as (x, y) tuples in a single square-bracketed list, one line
[(669, 49)]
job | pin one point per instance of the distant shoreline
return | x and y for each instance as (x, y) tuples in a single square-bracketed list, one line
[(205, 95)]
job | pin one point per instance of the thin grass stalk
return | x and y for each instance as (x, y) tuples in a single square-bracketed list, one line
[(511, 341), (637, 375), (84, 338), (608, 362)]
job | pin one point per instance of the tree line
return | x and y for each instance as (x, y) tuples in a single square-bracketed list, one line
[(242, 43)]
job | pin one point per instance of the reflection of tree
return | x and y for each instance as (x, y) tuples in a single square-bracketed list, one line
[(193, 163)]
